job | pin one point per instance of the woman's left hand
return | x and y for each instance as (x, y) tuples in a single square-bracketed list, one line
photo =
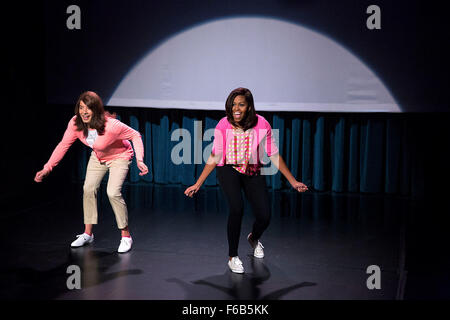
[(299, 186), (141, 165)]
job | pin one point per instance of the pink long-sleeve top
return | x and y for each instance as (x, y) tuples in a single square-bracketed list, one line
[(261, 137), (113, 144)]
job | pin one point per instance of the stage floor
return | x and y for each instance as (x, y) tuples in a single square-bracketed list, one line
[(318, 246)]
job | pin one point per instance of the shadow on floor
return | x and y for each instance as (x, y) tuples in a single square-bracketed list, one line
[(94, 264), (240, 286)]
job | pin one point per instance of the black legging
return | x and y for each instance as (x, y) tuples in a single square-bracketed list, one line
[(232, 182)]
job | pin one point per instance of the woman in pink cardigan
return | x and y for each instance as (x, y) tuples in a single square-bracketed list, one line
[(240, 139), (111, 151)]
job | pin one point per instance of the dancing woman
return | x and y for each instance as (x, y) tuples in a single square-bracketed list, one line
[(239, 139), (111, 151)]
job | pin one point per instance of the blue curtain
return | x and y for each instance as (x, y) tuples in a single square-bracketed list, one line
[(338, 152)]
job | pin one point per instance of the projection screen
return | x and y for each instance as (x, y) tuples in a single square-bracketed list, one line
[(287, 67)]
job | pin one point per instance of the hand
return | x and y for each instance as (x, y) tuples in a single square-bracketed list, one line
[(300, 187), (191, 190), (141, 165), (41, 175)]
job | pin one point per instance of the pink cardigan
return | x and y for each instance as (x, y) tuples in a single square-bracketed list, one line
[(113, 144), (262, 135)]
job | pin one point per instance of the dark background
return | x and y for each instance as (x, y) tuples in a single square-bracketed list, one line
[(409, 54)]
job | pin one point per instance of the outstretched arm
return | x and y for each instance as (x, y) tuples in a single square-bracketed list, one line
[(59, 152), (209, 167), (281, 165)]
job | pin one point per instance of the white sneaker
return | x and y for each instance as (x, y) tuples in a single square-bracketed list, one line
[(82, 239), (258, 251), (235, 265), (125, 244)]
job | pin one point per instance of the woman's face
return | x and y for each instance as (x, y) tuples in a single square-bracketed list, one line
[(85, 113), (239, 109)]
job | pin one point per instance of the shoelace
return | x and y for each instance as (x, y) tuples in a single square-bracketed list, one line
[(124, 240), (237, 261), (259, 244)]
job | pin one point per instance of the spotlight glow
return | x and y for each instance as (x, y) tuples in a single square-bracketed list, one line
[(287, 67)]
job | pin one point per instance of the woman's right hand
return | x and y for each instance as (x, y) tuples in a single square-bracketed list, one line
[(41, 175), (191, 190)]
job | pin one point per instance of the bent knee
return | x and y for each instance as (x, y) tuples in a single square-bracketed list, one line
[(236, 210), (90, 189), (113, 193)]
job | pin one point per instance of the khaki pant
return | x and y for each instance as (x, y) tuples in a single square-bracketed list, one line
[(118, 170)]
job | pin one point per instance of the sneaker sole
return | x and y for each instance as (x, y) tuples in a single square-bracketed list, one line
[(236, 271), (81, 245)]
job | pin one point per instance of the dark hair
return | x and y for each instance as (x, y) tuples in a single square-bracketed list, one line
[(250, 119), (94, 103)]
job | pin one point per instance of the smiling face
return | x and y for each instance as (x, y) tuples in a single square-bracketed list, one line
[(239, 108), (85, 113)]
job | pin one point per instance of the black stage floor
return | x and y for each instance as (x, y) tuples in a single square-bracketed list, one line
[(318, 246)]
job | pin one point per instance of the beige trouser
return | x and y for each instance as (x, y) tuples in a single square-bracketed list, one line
[(118, 170)]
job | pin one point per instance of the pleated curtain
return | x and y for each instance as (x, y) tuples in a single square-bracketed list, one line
[(338, 152)]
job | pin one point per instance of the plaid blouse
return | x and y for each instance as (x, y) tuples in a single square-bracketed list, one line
[(247, 148), (239, 152)]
